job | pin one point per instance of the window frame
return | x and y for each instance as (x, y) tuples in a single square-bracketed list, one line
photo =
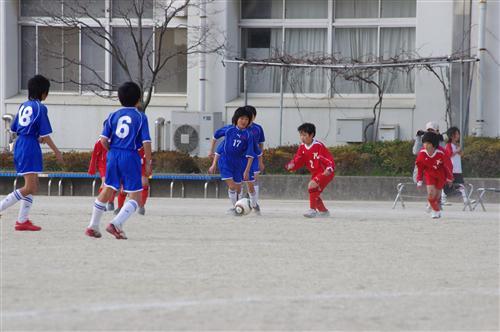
[(330, 24), (108, 22)]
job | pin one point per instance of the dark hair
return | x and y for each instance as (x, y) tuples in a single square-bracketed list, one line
[(451, 131), (129, 94), (38, 85), (252, 110), (308, 128), (241, 112), (432, 138)]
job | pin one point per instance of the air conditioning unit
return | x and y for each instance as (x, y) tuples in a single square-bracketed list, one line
[(352, 130), (191, 132)]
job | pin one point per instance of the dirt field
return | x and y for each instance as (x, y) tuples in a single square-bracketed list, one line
[(188, 266)]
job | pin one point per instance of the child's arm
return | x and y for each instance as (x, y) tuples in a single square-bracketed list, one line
[(147, 157), (105, 143), (213, 167), (296, 163), (48, 140), (211, 153), (420, 170), (246, 173), (326, 160)]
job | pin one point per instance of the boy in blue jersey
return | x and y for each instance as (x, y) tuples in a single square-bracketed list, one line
[(258, 164), (125, 131), (32, 127), (236, 153)]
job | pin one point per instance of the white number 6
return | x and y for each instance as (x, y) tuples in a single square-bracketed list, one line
[(123, 129)]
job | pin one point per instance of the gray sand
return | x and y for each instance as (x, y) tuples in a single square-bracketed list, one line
[(187, 265)]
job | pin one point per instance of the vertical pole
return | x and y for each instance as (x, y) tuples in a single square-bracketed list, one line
[(203, 57), (481, 49), (282, 89), (245, 84)]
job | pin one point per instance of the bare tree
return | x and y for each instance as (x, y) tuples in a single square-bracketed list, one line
[(148, 65)]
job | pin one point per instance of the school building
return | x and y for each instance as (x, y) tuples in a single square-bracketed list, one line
[(195, 94)]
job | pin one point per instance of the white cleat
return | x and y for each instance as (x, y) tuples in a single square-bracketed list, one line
[(256, 209), (435, 214), (324, 214), (311, 213)]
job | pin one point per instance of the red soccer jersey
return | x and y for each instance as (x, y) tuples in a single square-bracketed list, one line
[(437, 165), (316, 157), (98, 159)]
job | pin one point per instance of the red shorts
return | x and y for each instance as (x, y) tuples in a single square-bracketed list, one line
[(434, 181), (322, 180)]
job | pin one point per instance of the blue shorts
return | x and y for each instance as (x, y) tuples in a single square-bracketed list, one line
[(28, 155), (231, 168), (123, 167)]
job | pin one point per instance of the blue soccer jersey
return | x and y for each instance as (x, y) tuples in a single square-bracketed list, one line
[(127, 129), (234, 150), (30, 123), (257, 132)]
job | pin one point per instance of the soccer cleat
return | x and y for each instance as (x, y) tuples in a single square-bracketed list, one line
[(26, 226), (141, 210), (110, 206), (117, 211), (232, 212), (93, 233), (116, 232), (256, 209), (311, 213), (324, 214), (435, 214)]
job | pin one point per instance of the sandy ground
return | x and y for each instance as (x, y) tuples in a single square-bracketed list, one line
[(188, 266)]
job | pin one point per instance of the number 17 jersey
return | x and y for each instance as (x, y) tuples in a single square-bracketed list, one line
[(127, 129)]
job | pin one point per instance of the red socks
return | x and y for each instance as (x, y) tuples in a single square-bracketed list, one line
[(112, 198), (315, 201), (121, 199), (145, 194), (434, 203)]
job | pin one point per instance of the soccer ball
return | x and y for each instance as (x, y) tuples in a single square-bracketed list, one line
[(243, 207)]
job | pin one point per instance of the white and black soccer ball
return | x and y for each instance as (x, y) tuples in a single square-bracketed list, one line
[(243, 207)]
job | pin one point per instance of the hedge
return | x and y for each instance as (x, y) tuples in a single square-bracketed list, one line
[(481, 159)]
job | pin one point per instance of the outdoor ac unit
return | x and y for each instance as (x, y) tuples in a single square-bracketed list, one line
[(191, 132), (352, 130)]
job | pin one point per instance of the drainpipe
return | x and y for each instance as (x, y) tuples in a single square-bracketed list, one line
[(480, 80), (203, 57)]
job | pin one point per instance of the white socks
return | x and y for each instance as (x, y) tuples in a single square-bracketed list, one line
[(95, 220), (256, 187), (11, 199), (253, 199), (126, 211), (233, 197), (24, 209)]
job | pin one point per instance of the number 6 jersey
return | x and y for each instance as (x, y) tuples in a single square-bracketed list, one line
[(127, 129)]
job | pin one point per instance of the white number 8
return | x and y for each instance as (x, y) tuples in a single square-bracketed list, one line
[(25, 116), (123, 129)]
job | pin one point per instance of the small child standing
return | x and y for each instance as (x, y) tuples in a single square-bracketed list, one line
[(434, 165), (98, 164), (127, 129), (454, 152), (317, 158), (236, 155), (32, 127)]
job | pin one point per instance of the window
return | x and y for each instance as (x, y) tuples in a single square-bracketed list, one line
[(75, 59), (362, 30)]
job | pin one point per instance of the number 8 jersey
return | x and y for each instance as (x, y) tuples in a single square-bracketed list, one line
[(127, 129), (31, 123)]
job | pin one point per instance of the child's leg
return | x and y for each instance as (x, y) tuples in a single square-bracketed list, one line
[(433, 196), (314, 193), (145, 190), (233, 189), (128, 209), (121, 198), (100, 207), (112, 198), (252, 193), (30, 188)]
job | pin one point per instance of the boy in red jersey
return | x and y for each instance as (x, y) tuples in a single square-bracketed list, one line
[(145, 188), (98, 163), (317, 158), (433, 164)]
